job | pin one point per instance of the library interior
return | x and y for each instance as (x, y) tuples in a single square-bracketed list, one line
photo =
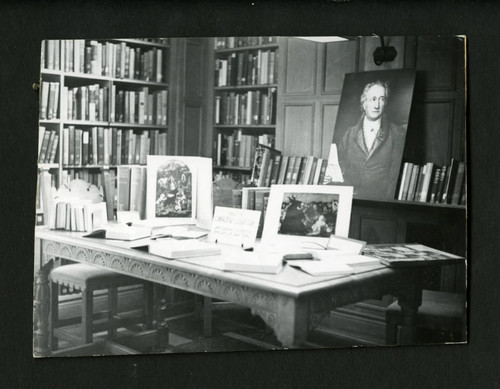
[(250, 193)]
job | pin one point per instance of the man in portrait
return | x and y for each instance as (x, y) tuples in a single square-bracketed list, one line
[(370, 141), (372, 146)]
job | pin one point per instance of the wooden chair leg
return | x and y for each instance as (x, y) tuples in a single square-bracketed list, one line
[(87, 313), (391, 333), (207, 316), (54, 315), (148, 303), (113, 309)]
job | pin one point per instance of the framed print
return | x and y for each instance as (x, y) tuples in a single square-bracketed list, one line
[(370, 130), (174, 187), (307, 215)]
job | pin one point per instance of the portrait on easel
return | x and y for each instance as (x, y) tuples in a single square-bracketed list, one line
[(370, 130)]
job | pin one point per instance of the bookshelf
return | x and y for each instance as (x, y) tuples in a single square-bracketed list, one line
[(245, 92), (103, 104)]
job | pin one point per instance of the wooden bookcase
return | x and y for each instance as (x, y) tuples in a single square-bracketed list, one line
[(97, 77), (245, 93)]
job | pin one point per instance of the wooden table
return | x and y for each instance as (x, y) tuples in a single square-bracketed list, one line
[(290, 302)]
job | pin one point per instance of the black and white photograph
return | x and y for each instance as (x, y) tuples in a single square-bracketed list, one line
[(308, 214), (371, 127), (190, 114), (92, 91), (174, 190)]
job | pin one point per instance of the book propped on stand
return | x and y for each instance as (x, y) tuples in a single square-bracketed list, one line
[(410, 255)]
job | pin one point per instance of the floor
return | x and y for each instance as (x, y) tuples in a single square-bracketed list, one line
[(232, 330)]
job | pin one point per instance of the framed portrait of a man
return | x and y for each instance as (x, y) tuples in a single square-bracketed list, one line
[(370, 130)]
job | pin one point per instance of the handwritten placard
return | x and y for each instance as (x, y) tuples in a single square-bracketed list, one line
[(235, 226)]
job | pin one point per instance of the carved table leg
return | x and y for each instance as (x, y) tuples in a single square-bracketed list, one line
[(41, 307), (290, 322), (410, 298)]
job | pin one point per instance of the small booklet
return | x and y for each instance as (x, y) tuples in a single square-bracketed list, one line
[(322, 268), (399, 255), (179, 232), (185, 248), (120, 232), (256, 262)]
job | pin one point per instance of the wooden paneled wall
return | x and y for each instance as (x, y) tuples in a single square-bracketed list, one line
[(189, 100), (310, 85)]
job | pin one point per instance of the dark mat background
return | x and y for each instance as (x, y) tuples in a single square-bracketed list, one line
[(24, 24)]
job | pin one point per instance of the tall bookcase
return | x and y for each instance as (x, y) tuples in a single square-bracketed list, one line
[(245, 92), (104, 103)]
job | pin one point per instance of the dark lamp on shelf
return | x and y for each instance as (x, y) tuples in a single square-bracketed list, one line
[(384, 53)]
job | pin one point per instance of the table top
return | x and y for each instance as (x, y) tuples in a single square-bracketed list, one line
[(289, 280)]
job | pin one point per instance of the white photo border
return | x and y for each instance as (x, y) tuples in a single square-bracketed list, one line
[(153, 163), (273, 213)]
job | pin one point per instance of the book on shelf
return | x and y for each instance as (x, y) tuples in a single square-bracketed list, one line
[(262, 164), (458, 187), (432, 183), (402, 255), (184, 248), (256, 67), (246, 108), (118, 60)]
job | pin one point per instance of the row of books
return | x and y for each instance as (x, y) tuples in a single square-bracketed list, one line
[(131, 189), (240, 177), (238, 149), (48, 141), (434, 184), (91, 103), (73, 215), (93, 177), (271, 167), (230, 42), (140, 107), (110, 146), (49, 102), (255, 199), (247, 68), (248, 108), (118, 60)]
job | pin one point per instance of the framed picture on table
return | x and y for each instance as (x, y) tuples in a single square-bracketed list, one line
[(307, 215), (175, 186)]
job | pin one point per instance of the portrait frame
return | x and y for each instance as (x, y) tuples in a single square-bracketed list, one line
[(395, 118), (313, 199)]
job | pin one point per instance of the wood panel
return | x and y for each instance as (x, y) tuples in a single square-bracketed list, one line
[(431, 133), (340, 58), (300, 67), (299, 129), (329, 116), (193, 122), (378, 229), (437, 62), (194, 69)]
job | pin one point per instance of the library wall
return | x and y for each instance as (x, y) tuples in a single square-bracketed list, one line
[(311, 86), (192, 103)]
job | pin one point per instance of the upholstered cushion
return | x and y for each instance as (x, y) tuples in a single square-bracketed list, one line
[(438, 310), (83, 276)]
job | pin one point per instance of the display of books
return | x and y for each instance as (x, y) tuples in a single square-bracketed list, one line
[(399, 255), (173, 248), (120, 232), (322, 268), (254, 262)]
